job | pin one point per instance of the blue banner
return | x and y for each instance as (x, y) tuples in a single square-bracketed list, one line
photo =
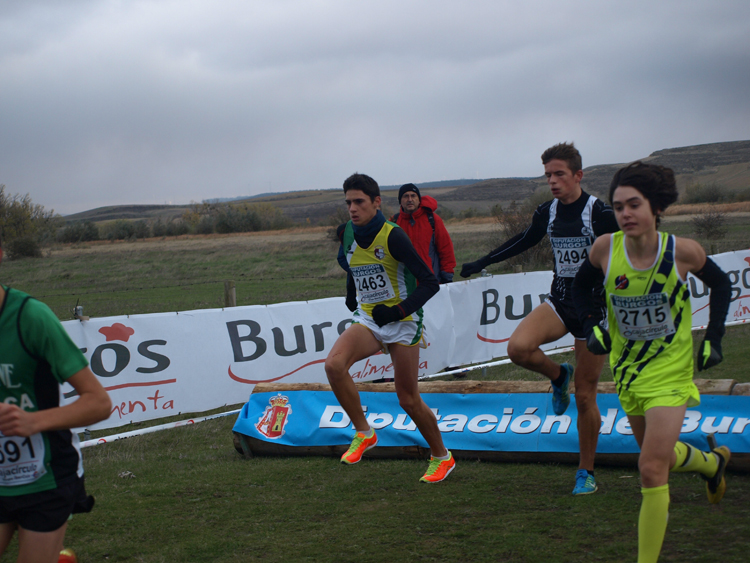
[(520, 422)]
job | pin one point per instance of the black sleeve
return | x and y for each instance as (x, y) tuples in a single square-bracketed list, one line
[(603, 219), (522, 241), (341, 259), (721, 290), (403, 250), (351, 292), (587, 283)]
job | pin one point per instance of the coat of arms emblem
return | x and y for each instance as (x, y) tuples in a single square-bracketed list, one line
[(275, 417)]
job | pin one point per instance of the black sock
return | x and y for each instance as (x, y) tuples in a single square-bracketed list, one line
[(560, 378)]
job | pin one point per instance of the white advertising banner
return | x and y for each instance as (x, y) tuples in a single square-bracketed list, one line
[(163, 364)]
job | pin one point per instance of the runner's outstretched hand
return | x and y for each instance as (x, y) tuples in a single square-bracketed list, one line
[(471, 268)]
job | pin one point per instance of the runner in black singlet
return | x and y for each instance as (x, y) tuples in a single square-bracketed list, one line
[(572, 220)]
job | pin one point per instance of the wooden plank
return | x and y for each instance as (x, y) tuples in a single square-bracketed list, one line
[(705, 386), (741, 389), (715, 386)]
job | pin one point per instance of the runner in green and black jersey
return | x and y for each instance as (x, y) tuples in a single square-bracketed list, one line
[(41, 475), (387, 285)]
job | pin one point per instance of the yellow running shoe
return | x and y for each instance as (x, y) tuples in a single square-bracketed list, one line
[(360, 445), (438, 469), (717, 485)]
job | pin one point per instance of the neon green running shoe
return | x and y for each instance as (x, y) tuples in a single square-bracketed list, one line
[(438, 469), (360, 445)]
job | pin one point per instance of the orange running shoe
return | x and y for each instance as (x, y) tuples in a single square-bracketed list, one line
[(439, 469), (360, 445)]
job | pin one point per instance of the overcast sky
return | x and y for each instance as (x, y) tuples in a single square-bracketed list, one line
[(109, 102)]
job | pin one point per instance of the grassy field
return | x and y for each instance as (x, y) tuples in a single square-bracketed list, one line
[(185, 494)]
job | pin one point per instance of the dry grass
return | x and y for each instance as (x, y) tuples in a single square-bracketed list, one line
[(697, 208)]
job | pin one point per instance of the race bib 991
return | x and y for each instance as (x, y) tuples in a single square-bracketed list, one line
[(21, 459), (643, 317)]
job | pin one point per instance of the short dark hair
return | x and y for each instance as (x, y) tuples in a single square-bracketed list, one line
[(656, 183), (566, 152), (363, 183)]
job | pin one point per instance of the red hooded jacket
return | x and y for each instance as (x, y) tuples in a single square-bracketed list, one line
[(435, 248)]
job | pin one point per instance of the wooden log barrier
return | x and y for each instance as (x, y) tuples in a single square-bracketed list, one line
[(249, 446)]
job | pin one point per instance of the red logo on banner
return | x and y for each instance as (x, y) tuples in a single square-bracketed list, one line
[(117, 331), (274, 419)]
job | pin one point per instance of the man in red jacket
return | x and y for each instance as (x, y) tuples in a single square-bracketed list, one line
[(426, 230)]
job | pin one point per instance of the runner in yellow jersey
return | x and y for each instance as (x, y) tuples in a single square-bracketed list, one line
[(387, 284), (649, 339)]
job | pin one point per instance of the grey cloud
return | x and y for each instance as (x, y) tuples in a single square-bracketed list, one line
[(108, 102)]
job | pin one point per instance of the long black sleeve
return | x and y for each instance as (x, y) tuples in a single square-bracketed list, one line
[(721, 290), (402, 250), (522, 241)]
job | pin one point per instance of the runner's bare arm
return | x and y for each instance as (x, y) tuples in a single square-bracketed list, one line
[(93, 405)]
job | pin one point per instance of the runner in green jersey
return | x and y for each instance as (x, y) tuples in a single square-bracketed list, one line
[(41, 476), (387, 284), (649, 339)]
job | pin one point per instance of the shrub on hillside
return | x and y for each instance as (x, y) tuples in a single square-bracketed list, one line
[(512, 221), (158, 228), (705, 193), (78, 232), (176, 227), (249, 217), (205, 225), (141, 229), (21, 218), (121, 229), (710, 225), (23, 247), (339, 216)]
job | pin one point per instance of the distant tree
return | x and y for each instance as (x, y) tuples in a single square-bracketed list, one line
[(21, 218), (23, 247), (200, 218), (710, 225), (81, 231), (513, 220), (705, 193), (158, 228), (177, 227), (339, 216), (120, 229), (141, 229), (247, 217)]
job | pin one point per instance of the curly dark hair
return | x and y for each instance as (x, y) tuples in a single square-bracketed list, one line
[(363, 183), (567, 152), (656, 183)]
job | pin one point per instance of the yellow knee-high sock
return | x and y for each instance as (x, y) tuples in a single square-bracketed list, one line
[(690, 458), (652, 523)]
